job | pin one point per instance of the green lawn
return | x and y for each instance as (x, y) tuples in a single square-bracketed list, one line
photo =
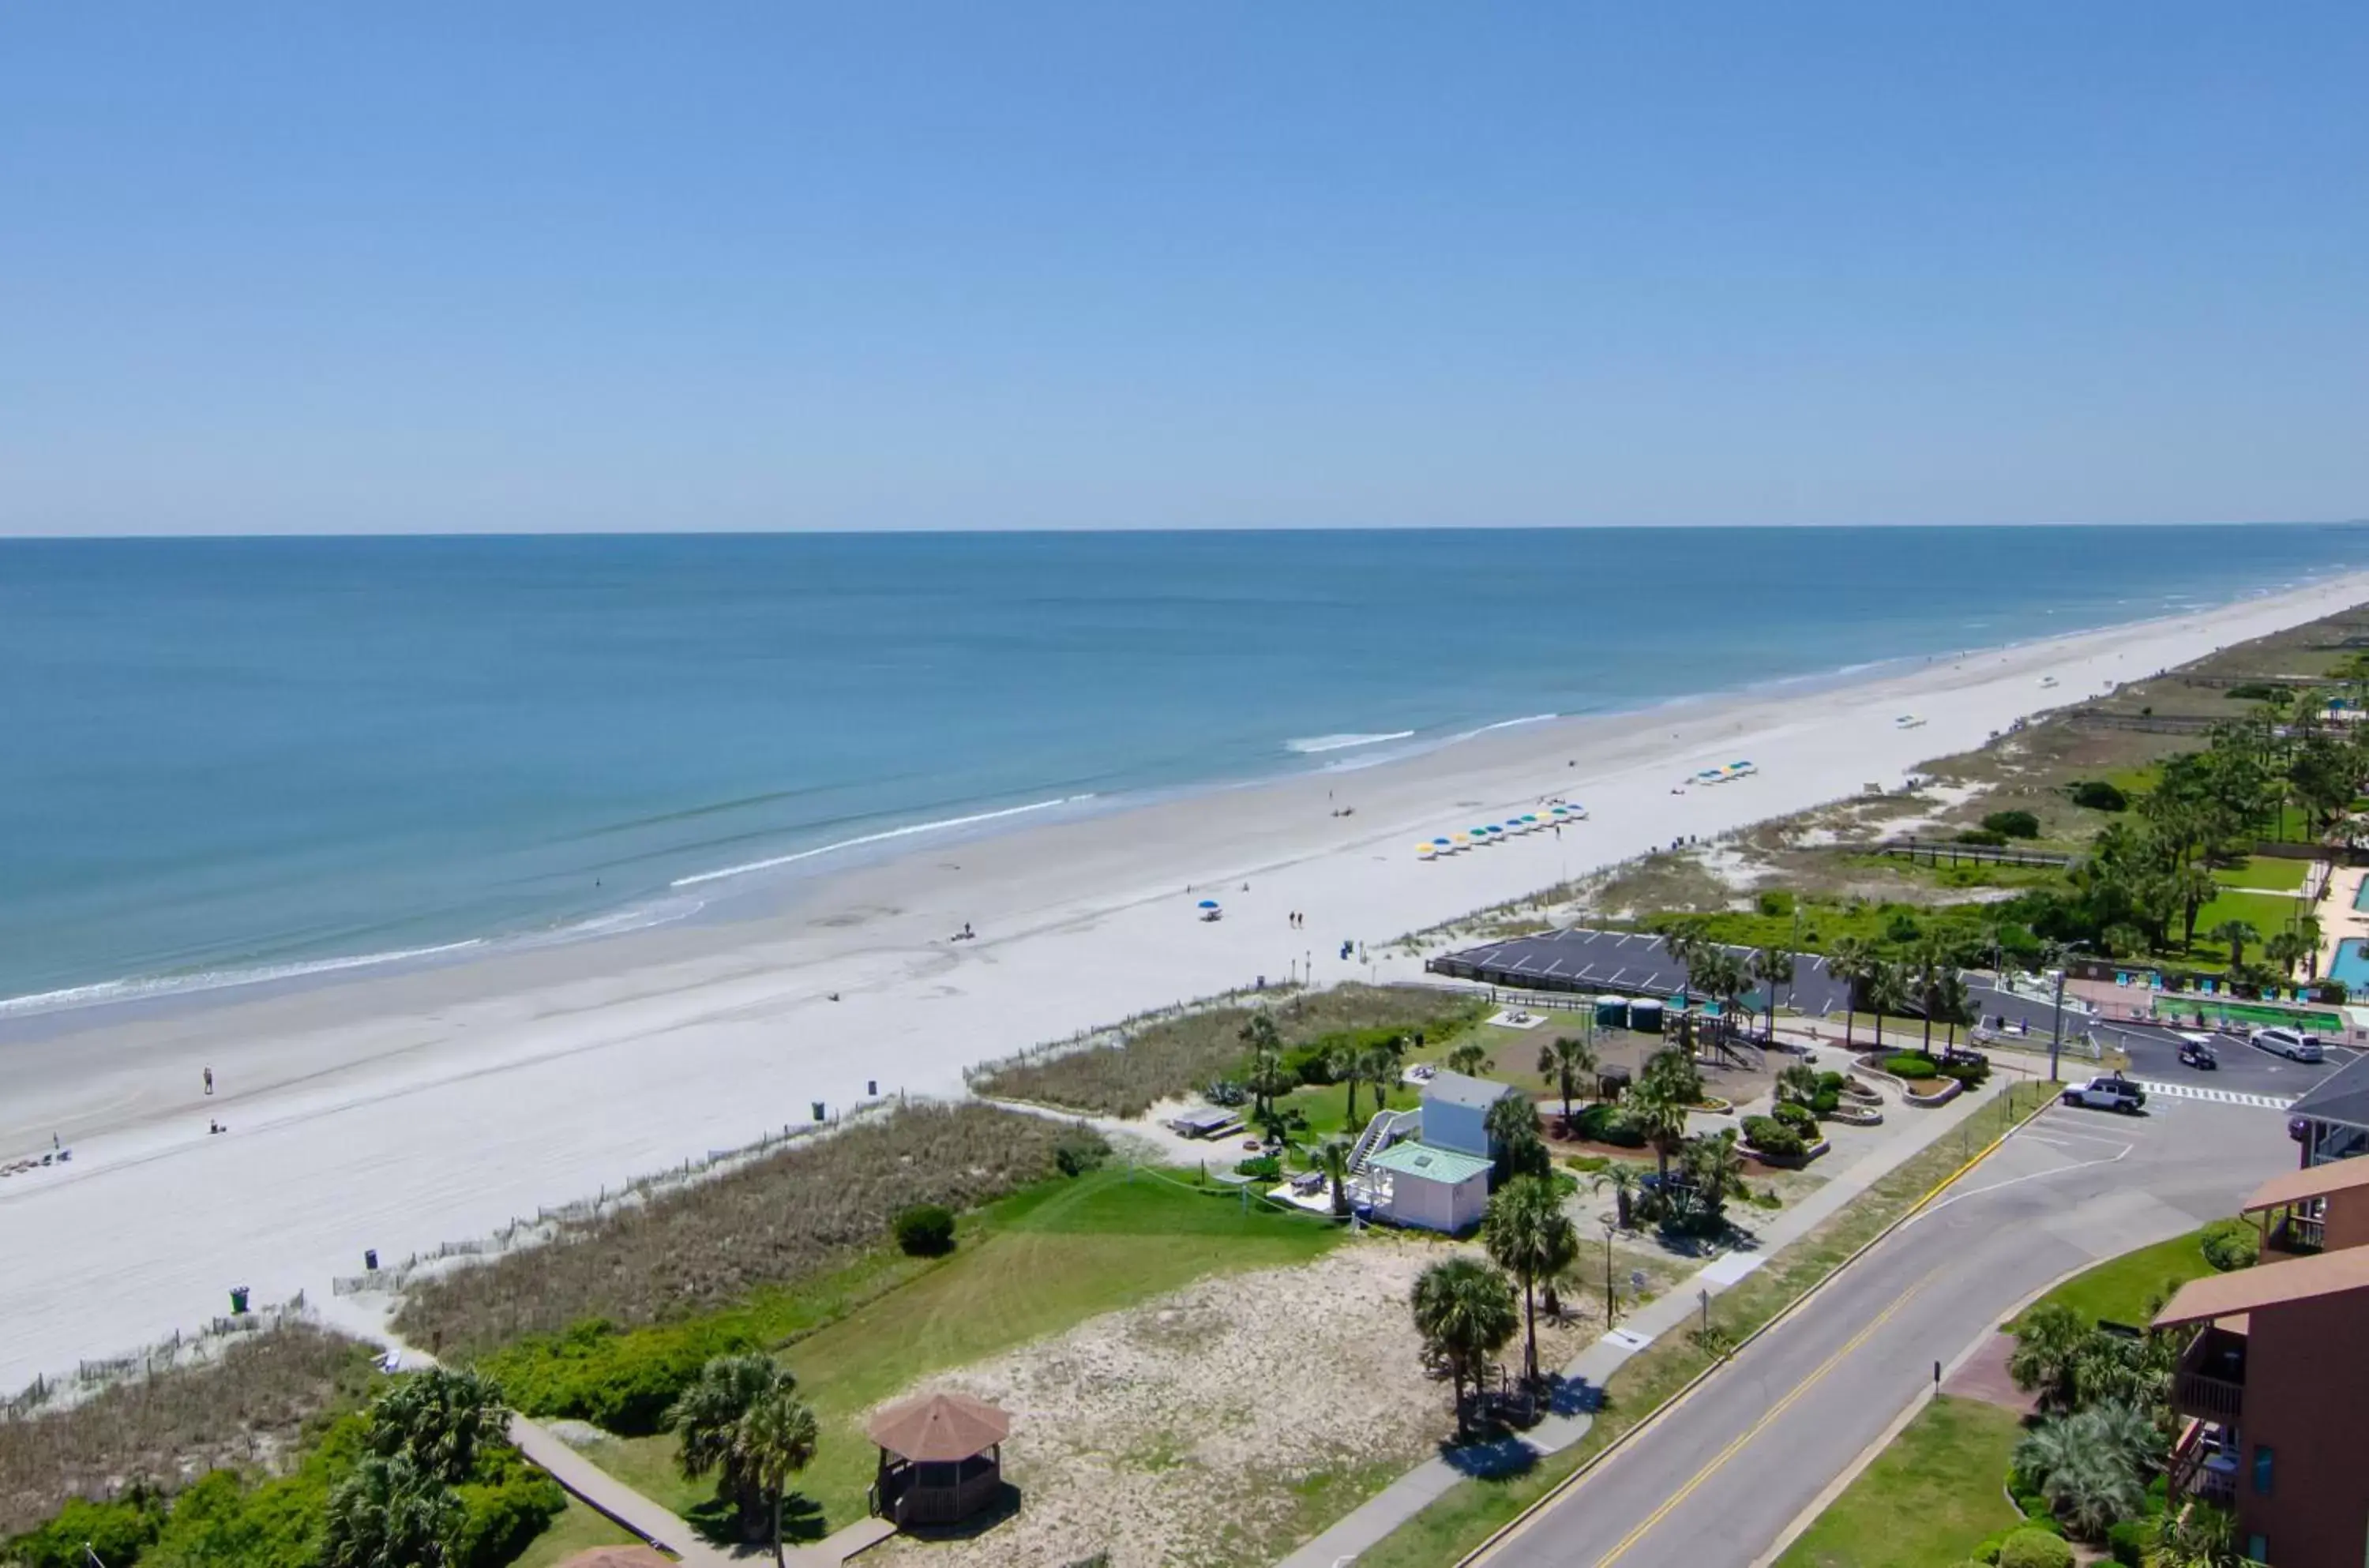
[(578, 1529), (2264, 870), (2119, 1290), (1035, 1264), (1927, 1498)]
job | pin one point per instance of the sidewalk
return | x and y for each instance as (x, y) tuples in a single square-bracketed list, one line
[(1588, 1372)]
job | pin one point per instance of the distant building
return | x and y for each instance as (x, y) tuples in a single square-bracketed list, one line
[(2272, 1390)]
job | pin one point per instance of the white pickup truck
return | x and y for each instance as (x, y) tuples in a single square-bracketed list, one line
[(2111, 1092)]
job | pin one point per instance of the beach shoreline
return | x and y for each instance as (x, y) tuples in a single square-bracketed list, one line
[(401, 1108)]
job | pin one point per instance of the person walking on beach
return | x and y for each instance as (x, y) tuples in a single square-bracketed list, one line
[(210, 1080)]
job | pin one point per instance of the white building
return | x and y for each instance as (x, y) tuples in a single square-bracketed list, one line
[(1435, 1189), (1456, 1112)]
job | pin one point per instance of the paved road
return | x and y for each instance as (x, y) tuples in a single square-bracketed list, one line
[(1717, 1481)]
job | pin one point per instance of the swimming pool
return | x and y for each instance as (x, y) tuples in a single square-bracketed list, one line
[(2350, 964), (2360, 897)]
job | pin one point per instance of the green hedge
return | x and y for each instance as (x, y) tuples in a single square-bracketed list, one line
[(1609, 1124), (2231, 1245), (620, 1380), (1912, 1064), (119, 1531), (1772, 1137)]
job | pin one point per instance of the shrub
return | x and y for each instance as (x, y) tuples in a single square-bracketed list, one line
[(1226, 1092), (1081, 1150), (1775, 902), (2034, 1548), (1608, 1123), (1902, 928), (1771, 1136), (1264, 1167), (2231, 1245), (620, 1380), (2013, 824), (1591, 1163), (1912, 1064), (1826, 1102), (1311, 1064), (925, 1230), (1971, 1072), (119, 1531), (2333, 992), (2255, 692), (1831, 1082), (1983, 838), (1800, 1117), (2097, 795), (504, 1507), (2126, 1543)]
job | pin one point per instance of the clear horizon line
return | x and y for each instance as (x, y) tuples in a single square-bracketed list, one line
[(9, 537)]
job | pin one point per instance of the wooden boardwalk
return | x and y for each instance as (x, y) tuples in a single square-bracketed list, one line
[(664, 1528)]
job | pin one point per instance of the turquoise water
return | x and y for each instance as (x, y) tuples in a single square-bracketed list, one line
[(2352, 965), (229, 757), (2360, 895)]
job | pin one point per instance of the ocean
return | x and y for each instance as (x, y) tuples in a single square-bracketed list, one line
[(233, 759)]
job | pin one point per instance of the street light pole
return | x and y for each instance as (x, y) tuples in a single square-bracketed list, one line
[(1609, 1226), (2057, 1034)]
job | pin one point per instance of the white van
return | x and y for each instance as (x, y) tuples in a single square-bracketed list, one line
[(2290, 1043)]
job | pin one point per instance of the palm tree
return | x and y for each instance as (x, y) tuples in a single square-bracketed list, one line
[(1265, 1042), (1928, 965), (2197, 1536), (1656, 1105), (2285, 948), (2237, 933), (1513, 1126), (1471, 1059), (389, 1513), (1715, 1168), (1686, 941), (1853, 962), (1564, 1060), (2047, 1351), (775, 1440), (2091, 1466), (1529, 1236), (1348, 1061), (1621, 1177), (1380, 1062), (1332, 1157), (1719, 974), (2194, 888), (1464, 1311), (1772, 967), (707, 1418), (1956, 1004), (1887, 992), (438, 1418)]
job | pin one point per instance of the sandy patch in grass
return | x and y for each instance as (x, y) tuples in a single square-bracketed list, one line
[(1193, 1430)]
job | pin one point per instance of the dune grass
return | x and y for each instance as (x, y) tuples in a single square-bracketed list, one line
[(1927, 1499), (1034, 1264), (1177, 1055)]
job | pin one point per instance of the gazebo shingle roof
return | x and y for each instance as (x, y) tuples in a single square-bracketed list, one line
[(940, 1428)]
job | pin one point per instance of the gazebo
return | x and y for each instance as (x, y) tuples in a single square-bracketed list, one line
[(940, 1459)]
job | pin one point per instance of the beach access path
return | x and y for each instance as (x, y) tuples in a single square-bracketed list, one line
[(400, 1110)]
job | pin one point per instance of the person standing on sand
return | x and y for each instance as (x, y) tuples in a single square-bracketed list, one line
[(210, 1080)]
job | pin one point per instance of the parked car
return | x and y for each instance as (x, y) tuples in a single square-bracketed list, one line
[(2293, 1043), (2197, 1053), (2111, 1093)]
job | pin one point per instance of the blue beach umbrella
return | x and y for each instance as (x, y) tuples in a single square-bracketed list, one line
[(1208, 903)]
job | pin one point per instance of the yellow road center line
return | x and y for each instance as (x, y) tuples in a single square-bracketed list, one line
[(1737, 1444)]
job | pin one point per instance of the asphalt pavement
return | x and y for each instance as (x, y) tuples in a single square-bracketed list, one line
[(1718, 1479)]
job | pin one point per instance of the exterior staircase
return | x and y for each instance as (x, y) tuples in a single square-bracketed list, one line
[(1380, 1134)]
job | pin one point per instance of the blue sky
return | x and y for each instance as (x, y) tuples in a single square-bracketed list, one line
[(585, 266)]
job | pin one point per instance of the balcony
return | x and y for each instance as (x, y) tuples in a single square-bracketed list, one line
[(2202, 1466), (2211, 1382), (2296, 1235)]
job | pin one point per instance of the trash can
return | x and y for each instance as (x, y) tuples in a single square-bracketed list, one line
[(872, 1088), (818, 1110), (370, 1260), (238, 1301)]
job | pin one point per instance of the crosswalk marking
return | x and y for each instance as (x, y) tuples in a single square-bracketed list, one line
[(2219, 1096)]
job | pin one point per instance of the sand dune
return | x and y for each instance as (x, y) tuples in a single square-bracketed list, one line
[(396, 1111)]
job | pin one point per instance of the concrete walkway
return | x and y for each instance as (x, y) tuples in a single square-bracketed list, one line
[(1586, 1377)]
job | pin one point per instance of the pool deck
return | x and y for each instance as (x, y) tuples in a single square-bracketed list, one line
[(2344, 917)]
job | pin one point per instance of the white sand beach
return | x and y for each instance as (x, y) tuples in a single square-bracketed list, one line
[(401, 1110)]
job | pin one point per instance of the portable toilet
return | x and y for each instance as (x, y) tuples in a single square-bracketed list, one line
[(1613, 1013), (1645, 1015)]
